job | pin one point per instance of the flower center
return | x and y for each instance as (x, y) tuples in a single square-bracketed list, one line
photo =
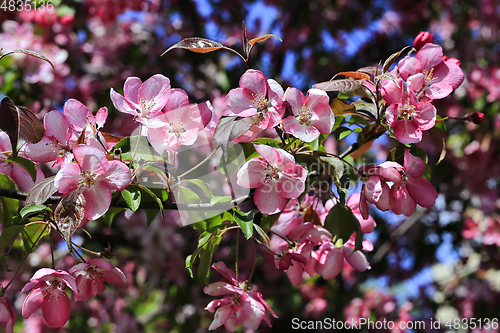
[(304, 116), (407, 112), (429, 77), (87, 179), (272, 173), (261, 103), (146, 106), (176, 128)]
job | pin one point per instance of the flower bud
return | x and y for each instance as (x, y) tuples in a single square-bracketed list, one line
[(476, 117), (423, 38)]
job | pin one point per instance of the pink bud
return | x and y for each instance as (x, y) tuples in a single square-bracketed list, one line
[(476, 117), (423, 38)]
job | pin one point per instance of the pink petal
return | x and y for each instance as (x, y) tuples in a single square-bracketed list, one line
[(43, 274), (392, 114), (325, 118), (317, 235), (240, 100), (221, 288), (268, 200), (407, 131), (232, 324), (221, 317), (373, 189), (422, 192), (131, 90), (229, 274), (302, 132), (392, 93), (56, 308), (255, 81), (294, 273), (67, 178), (438, 90), (219, 302), (357, 259), (252, 174), (90, 159), (34, 300), (403, 203), (426, 115), (77, 113), (178, 98), (414, 166), (57, 125), (258, 296), (252, 312), (97, 201), (84, 285), (101, 116), (363, 204), (430, 55), (330, 261), (386, 199), (276, 94), (117, 176), (121, 104), (409, 66), (272, 155), (292, 181), (416, 81), (295, 98), (157, 89)]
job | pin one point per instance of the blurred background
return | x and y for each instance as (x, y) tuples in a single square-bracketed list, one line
[(441, 263)]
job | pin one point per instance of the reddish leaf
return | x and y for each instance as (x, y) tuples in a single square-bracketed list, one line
[(28, 52), (339, 85), (354, 75), (388, 63), (112, 137), (69, 214), (19, 123), (198, 45), (231, 127), (41, 191), (263, 38)]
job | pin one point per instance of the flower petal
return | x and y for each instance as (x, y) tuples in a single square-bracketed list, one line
[(56, 308)]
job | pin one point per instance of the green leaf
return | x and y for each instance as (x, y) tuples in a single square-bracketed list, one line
[(206, 254), (8, 206), (8, 235), (155, 198), (268, 221), (132, 196), (218, 199), (339, 120), (110, 215), (33, 209), (202, 185), (31, 235), (245, 221), (27, 165), (337, 164), (339, 222), (189, 264), (263, 234)]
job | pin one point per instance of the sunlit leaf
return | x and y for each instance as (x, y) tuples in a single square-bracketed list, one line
[(41, 191), (245, 221), (8, 206), (439, 143), (26, 164), (337, 164), (388, 63), (69, 214), (132, 196), (354, 75), (263, 38), (231, 127), (30, 53), (198, 45), (339, 85)]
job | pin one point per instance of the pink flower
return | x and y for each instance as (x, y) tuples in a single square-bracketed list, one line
[(90, 277), (357, 259), (57, 143), (240, 306), (7, 314), (275, 177), (424, 37), (428, 72), (95, 176), (405, 114), (368, 224), (48, 292), (257, 95), (179, 126), (329, 260), (312, 115), (142, 100), (412, 189), (376, 190), (492, 234)]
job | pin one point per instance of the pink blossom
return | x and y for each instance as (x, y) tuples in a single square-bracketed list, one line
[(311, 116), (368, 224), (429, 73), (142, 100), (357, 259), (492, 234), (240, 306), (90, 277), (95, 176), (405, 114), (178, 126), (257, 95), (275, 177), (48, 293), (329, 261), (412, 189), (7, 314), (376, 190)]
